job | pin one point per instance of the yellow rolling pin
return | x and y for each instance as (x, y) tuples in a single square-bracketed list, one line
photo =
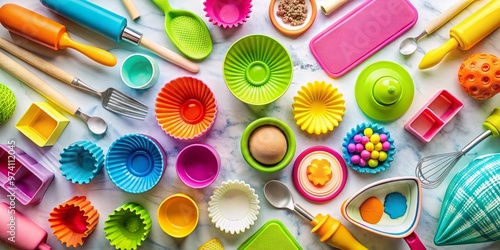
[(48, 33), (467, 33)]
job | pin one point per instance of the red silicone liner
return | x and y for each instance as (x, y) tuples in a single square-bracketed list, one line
[(329, 194)]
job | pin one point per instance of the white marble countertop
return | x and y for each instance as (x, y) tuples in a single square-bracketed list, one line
[(234, 116)]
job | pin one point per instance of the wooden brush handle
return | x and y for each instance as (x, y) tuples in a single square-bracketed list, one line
[(36, 61), (169, 55), (331, 5), (133, 11), (30, 79)]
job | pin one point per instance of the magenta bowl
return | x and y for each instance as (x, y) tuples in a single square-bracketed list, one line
[(198, 165), (227, 13)]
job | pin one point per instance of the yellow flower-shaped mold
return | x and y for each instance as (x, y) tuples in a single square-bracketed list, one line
[(319, 172), (318, 107)]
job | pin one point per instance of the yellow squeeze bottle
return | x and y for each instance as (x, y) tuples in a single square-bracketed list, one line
[(467, 33), (333, 233)]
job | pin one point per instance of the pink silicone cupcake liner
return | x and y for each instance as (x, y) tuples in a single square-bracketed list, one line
[(227, 13)]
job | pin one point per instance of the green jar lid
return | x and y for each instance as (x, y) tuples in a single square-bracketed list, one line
[(384, 91)]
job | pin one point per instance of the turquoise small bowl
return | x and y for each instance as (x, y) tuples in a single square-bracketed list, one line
[(135, 163), (81, 162), (349, 138), (139, 71)]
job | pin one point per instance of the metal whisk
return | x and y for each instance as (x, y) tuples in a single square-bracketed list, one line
[(432, 170), (112, 99)]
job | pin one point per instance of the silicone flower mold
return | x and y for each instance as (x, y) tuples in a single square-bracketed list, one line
[(318, 108), (319, 172)]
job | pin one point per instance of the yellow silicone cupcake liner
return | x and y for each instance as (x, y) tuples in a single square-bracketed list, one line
[(318, 108), (73, 221)]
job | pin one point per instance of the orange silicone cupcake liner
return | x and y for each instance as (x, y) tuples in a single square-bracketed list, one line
[(185, 108), (73, 221)]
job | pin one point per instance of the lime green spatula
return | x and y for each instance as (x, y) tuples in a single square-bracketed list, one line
[(187, 31)]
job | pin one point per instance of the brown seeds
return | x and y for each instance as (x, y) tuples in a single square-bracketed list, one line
[(293, 12)]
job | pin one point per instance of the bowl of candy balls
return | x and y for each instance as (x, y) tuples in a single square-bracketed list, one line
[(368, 148)]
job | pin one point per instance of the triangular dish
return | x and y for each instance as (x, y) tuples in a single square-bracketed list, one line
[(401, 227)]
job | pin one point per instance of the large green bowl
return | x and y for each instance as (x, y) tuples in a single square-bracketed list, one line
[(257, 69)]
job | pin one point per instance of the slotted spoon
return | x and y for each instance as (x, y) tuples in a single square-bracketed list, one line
[(187, 31), (112, 99)]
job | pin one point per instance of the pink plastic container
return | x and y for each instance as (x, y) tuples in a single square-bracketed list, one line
[(24, 234), (23, 176), (198, 165), (434, 116), (361, 33), (227, 13)]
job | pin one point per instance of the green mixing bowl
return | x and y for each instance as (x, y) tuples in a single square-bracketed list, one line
[(257, 69), (287, 132)]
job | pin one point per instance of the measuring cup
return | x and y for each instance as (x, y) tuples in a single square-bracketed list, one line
[(48, 33), (187, 31), (401, 227)]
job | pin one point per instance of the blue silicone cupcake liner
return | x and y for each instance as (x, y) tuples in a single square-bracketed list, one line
[(81, 162), (349, 138), (135, 163)]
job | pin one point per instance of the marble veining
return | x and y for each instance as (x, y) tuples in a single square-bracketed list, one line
[(233, 116)]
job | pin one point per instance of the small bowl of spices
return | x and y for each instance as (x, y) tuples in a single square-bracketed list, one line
[(292, 17)]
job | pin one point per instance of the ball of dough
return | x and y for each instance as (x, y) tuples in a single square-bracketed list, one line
[(268, 145)]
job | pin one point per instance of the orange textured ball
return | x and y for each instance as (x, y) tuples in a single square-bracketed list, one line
[(479, 76)]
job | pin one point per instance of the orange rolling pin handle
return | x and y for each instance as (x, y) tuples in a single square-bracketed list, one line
[(48, 33), (31, 25), (333, 233), (98, 55)]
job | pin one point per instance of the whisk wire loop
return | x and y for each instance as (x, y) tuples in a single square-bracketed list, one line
[(432, 170)]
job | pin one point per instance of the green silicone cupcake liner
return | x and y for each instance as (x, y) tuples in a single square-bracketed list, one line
[(257, 69), (128, 226)]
